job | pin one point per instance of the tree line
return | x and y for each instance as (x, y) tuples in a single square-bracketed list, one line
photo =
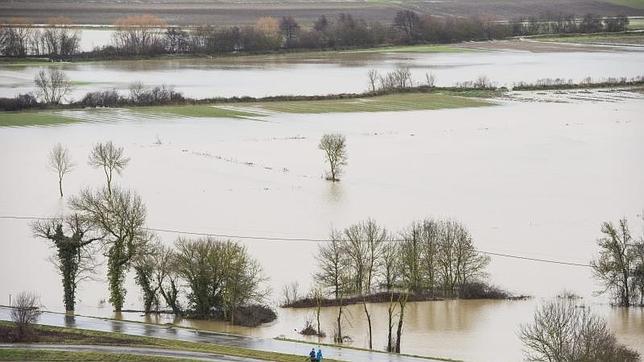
[(216, 278), (365, 262), (145, 35)]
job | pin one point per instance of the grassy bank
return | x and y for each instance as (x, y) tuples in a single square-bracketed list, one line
[(603, 39), (33, 118), (385, 103), (245, 108), (17, 354), (60, 335), (198, 110), (370, 350)]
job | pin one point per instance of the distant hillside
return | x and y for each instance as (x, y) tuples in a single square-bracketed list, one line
[(196, 12)]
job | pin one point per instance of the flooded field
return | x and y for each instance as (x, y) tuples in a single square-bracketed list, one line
[(325, 73), (531, 177)]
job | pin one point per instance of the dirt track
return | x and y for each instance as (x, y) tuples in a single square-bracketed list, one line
[(195, 12)]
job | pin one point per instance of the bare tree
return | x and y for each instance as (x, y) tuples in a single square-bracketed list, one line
[(373, 76), (53, 85), (120, 215), (291, 293), (431, 79), (403, 297), (561, 331), (335, 151), (25, 312), (332, 261), (139, 34), (72, 238), (61, 163), (110, 158)]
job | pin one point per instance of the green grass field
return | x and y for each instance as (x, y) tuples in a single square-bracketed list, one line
[(41, 355), (202, 110), (29, 118), (387, 103)]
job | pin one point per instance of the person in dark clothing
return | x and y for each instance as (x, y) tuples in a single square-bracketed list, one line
[(312, 355)]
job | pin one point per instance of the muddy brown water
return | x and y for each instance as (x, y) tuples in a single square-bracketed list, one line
[(533, 178)]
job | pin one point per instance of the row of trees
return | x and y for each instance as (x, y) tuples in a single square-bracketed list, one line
[(217, 278), (148, 35), (620, 264), (20, 38), (430, 258)]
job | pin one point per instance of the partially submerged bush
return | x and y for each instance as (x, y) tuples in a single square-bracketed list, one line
[(562, 331), (481, 290), (19, 102), (253, 315), (106, 98)]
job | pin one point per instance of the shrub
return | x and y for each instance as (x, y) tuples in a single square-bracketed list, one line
[(19, 102), (106, 98), (25, 312)]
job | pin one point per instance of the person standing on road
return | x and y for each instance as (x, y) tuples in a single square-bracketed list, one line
[(312, 355), (318, 356)]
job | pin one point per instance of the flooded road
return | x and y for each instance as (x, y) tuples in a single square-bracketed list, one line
[(325, 73), (528, 178)]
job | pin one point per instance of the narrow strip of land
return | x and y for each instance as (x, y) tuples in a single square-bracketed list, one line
[(116, 353), (211, 342)]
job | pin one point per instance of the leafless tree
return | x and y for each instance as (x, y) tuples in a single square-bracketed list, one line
[(61, 163), (333, 268), (335, 151), (110, 158), (373, 79), (24, 313), (139, 34), (53, 85), (431, 80), (291, 293), (561, 331), (317, 295)]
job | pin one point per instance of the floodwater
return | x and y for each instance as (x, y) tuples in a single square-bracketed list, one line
[(529, 178), (325, 73)]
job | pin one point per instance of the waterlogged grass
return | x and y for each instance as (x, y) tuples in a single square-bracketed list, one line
[(636, 23), (636, 4), (617, 39), (28, 118), (427, 48), (387, 103), (42, 355), (61, 335), (194, 111)]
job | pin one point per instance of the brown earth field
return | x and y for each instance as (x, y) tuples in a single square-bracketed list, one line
[(222, 12)]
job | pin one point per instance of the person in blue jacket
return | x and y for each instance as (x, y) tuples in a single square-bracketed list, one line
[(312, 355), (318, 356)]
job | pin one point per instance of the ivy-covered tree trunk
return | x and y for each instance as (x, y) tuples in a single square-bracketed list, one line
[(116, 269), (69, 258)]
